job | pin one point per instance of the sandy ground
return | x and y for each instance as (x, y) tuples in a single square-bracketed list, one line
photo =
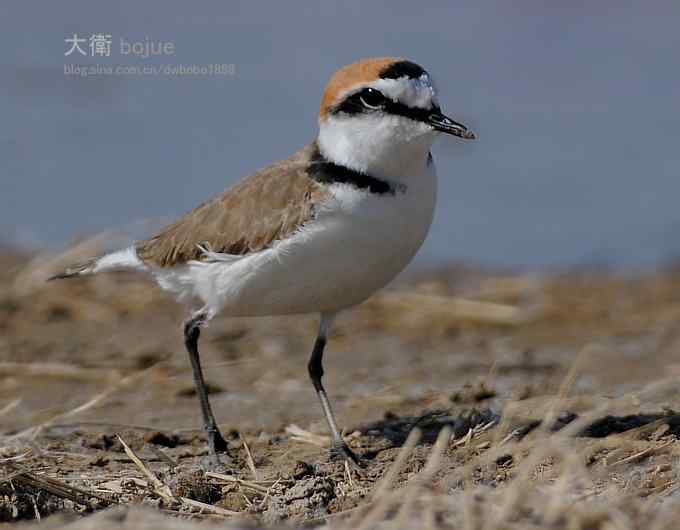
[(552, 399)]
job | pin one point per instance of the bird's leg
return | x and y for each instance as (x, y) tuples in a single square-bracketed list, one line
[(338, 446), (192, 330)]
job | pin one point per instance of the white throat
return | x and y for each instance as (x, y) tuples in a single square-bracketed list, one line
[(383, 146)]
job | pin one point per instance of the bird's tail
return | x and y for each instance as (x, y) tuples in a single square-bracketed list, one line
[(125, 259), (77, 269)]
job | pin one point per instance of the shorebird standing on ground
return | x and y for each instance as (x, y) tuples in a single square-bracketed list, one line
[(318, 232)]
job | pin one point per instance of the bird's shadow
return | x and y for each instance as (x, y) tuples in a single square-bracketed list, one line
[(395, 429)]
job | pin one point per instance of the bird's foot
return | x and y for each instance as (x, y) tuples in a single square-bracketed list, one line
[(218, 459), (216, 442), (214, 463), (341, 451)]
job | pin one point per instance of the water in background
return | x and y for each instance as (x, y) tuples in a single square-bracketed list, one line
[(577, 111)]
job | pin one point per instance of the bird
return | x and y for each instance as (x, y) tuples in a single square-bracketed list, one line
[(318, 232)]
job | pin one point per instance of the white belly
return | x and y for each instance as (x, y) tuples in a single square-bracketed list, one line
[(356, 245)]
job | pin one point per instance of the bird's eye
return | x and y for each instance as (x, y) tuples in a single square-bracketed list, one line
[(371, 98)]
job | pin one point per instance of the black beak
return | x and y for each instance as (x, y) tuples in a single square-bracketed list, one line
[(446, 125)]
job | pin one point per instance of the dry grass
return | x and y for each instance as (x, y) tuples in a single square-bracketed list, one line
[(581, 373), (484, 480)]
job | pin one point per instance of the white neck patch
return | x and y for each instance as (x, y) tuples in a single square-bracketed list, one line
[(383, 146)]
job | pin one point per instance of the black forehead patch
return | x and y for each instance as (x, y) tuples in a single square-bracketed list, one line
[(402, 69)]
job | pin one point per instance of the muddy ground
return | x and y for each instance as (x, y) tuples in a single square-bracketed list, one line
[(557, 395)]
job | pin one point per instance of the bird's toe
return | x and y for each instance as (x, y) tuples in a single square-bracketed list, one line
[(341, 451)]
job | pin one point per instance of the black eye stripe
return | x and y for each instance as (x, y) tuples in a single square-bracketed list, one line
[(352, 105), (414, 113)]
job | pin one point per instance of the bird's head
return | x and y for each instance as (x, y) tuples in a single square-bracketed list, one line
[(380, 116)]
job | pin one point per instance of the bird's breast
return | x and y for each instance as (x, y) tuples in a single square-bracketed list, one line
[(363, 240), (357, 243)]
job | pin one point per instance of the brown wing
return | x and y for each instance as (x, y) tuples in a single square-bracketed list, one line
[(264, 207)]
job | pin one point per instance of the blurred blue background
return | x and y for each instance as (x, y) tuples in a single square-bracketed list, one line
[(577, 110)]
